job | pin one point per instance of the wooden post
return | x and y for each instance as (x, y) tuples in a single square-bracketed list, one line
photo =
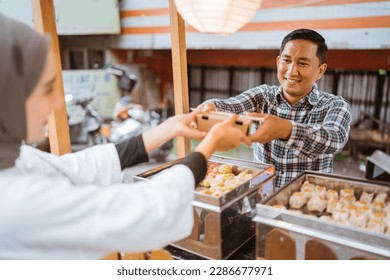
[(180, 78), (45, 23)]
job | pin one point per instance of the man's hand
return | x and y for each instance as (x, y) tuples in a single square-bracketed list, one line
[(271, 128), (206, 107)]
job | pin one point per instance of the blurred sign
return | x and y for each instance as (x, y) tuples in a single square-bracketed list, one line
[(76, 17), (96, 84), (20, 10)]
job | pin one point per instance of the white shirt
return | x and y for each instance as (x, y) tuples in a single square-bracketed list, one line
[(75, 206)]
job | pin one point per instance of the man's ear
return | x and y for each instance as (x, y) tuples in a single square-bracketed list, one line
[(321, 70), (277, 60)]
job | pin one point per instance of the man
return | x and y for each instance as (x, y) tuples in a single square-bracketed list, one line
[(303, 127)]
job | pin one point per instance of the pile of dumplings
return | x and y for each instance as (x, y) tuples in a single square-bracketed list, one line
[(223, 178), (370, 212)]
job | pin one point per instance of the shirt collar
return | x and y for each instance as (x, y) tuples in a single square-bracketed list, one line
[(279, 95), (313, 97)]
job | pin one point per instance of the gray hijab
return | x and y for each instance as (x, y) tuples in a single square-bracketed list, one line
[(23, 54)]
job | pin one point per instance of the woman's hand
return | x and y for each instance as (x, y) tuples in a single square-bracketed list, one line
[(222, 137), (179, 125), (184, 125), (271, 128), (227, 136)]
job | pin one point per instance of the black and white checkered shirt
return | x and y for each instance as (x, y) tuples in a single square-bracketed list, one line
[(320, 128)]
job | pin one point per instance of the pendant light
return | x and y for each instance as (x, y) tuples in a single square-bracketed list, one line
[(217, 16)]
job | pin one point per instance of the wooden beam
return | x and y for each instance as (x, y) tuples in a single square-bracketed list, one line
[(45, 23), (180, 78)]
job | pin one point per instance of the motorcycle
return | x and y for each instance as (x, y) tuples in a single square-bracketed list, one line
[(132, 119), (84, 122), (135, 120)]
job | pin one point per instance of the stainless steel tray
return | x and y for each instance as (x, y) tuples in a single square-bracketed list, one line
[(263, 173), (223, 224), (358, 241), (330, 181)]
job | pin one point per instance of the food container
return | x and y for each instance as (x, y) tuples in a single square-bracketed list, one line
[(223, 224), (205, 121), (286, 234)]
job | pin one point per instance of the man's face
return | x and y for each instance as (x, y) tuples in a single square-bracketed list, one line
[(298, 69)]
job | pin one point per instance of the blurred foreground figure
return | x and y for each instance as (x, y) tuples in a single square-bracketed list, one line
[(74, 206)]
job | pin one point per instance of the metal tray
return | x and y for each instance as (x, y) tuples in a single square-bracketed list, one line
[(263, 172), (223, 224), (346, 240)]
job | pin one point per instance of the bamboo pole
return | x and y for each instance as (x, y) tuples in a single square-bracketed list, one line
[(45, 23), (180, 78)]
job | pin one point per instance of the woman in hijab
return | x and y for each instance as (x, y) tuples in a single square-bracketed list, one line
[(75, 206)]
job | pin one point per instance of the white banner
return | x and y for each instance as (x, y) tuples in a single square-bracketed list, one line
[(193, 270)]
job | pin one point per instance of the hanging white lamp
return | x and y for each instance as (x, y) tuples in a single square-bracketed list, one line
[(217, 16)]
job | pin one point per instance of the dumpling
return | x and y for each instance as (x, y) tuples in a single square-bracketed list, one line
[(297, 200), (365, 210), (318, 190), (332, 204), (346, 192), (381, 197), (377, 206), (232, 183), (307, 192), (376, 223), (221, 178), (361, 203), (366, 197), (307, 183), (341, 216), (358, 219), (224, 168), (347, 199), (245, 175), (351, 208), (317, 203), (207, 181), (332, 194)]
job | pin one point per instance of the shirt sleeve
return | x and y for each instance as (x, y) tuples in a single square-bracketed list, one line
[(248, 101), (98, 164), (132, 151), (326, 138), (197, 163), (52, 219)]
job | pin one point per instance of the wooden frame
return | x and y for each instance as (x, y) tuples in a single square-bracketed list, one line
[(180, 77), (45, 23)]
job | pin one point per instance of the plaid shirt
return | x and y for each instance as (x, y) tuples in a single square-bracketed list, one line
[(320, 128)]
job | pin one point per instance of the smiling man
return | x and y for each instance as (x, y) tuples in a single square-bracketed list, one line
[(303, 127)]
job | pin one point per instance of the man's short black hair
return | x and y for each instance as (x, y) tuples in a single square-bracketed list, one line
[(310, 35)]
